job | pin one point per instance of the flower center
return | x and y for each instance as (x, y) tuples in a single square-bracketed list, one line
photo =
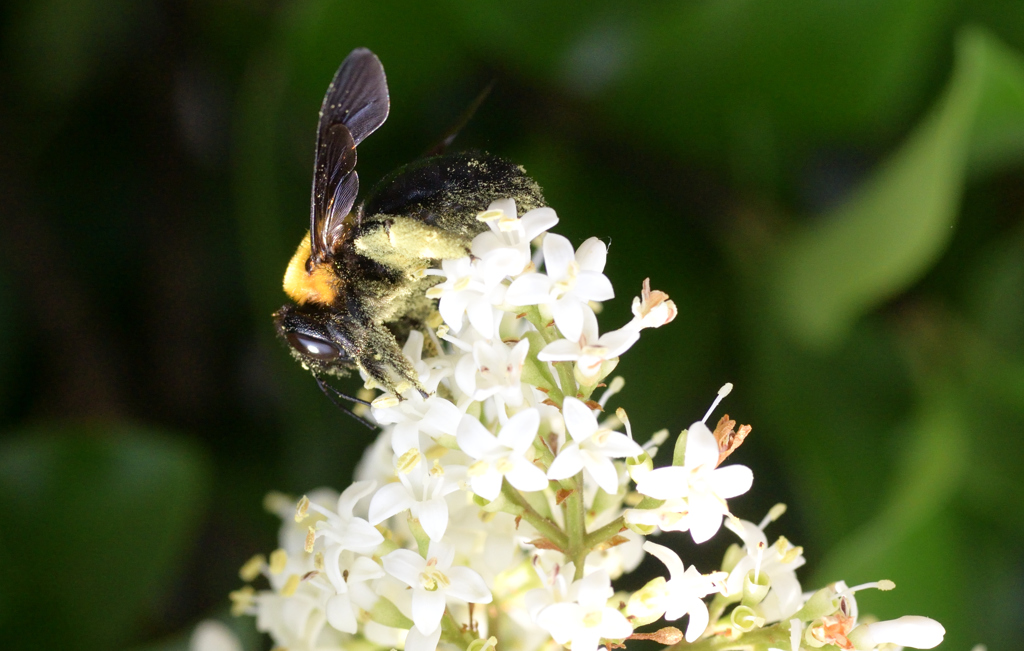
[(431, 578), (564, 285), (592, 619)]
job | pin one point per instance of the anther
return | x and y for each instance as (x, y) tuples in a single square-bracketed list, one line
[(278, 559), (301, 509)]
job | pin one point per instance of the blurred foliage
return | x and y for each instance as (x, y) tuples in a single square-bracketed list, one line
[(832, 192)]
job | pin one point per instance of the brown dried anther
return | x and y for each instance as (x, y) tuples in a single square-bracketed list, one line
[(728, 437)]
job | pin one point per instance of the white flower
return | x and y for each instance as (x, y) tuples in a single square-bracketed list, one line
[(590, 351), (434, 580), (779, 562), (420, 489), (592, 448), (504, 250), (432, 416), (343, 530), (351, 591), (502, 456), (704, 486), (910, 630), (212, 635), (652, 309), (571, 281), (684, 590), (464, 292), (586, 619), (493, 369)]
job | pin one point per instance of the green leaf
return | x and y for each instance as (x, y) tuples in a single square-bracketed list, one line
[(93, 523), (892, 230)]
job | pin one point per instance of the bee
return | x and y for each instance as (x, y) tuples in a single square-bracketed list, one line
[(357, 279)]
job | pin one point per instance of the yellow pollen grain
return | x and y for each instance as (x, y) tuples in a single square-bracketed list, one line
[(477, 468), (278, 559), (302, 509), (385, 401), (435, 292), (504, 466), (793, 554), (507, 224), (291, 585), (461, 283), (310, 539), (442, 331), (252, 567), (318, 561), (437, 470), (409, 460), (886, 585), (241, 599), (403, 386)]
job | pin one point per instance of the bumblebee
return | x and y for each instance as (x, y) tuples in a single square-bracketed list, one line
[(357, 278)]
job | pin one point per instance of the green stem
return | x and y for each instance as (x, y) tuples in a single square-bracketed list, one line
[(608, 531), (550, 333), (546, 527), (576, 527), (452, 632), (775, 636)]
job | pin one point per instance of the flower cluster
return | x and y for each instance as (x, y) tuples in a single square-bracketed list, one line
[(499, 508)]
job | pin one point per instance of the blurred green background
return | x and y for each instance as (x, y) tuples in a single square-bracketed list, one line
[(831, 191)]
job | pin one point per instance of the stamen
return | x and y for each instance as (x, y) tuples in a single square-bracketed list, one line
[(252, 568), (722, 393), (489, 215), (310, 540), (291, 585), (620, 413), (385, 401), (301, 510), (278, 559), (757, 564), (773, 514), (616, 385)]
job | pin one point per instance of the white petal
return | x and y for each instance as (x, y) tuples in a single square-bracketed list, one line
[(615, 444), (614, 625), (488, 485), (602, 470), (442, 416), (667, 556), (405, 565), (427, 609), (568, 315), (212, 635), (561, 620), (442, 552), (909, 630), (701, 447), (468, 585), (591, 255), (527, 477), (594, 589), (351, 495), (537, 221), (529, 289), (361, 536), (520, 430), (481, 317), (452, 306), (731, 481), (560, 350), (618, 341), (364, 569), (474, 439), (665, 483), (568, 462), (579, 420), (558, 254), (339, 613), (433, 517), (591, 286), (389, 500), (507, 206), (417, 641), (704, 520), (698, 620), (465, 374)]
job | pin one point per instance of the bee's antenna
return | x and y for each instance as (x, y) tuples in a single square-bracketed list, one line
[(333, 395), (467, 115)]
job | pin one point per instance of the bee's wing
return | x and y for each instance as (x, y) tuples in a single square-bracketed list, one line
[(356, 103)]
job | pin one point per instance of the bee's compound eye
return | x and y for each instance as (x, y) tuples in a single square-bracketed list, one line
[(314, 347)]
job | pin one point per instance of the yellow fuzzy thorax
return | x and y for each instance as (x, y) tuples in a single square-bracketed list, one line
[(317, 286)]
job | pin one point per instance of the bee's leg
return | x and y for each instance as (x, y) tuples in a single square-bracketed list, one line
[(388, 365), (333, 395)]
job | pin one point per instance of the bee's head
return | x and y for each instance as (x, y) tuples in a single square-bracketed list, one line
[(315, 338)]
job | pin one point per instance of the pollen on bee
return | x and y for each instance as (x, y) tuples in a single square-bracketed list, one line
[(319, 285)]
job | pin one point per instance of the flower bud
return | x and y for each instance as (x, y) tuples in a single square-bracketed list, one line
[(911, 630), (755, 587), (733, 555), (679, 452), (646, 604)]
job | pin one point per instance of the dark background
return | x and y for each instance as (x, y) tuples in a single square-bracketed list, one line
[(831, 191)]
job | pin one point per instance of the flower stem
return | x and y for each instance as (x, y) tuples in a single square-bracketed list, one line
[(576, 527), (606, 532), (546, 527), (775, 636), (550, 333)]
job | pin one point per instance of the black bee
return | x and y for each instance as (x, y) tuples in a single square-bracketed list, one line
[(357, 277)]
